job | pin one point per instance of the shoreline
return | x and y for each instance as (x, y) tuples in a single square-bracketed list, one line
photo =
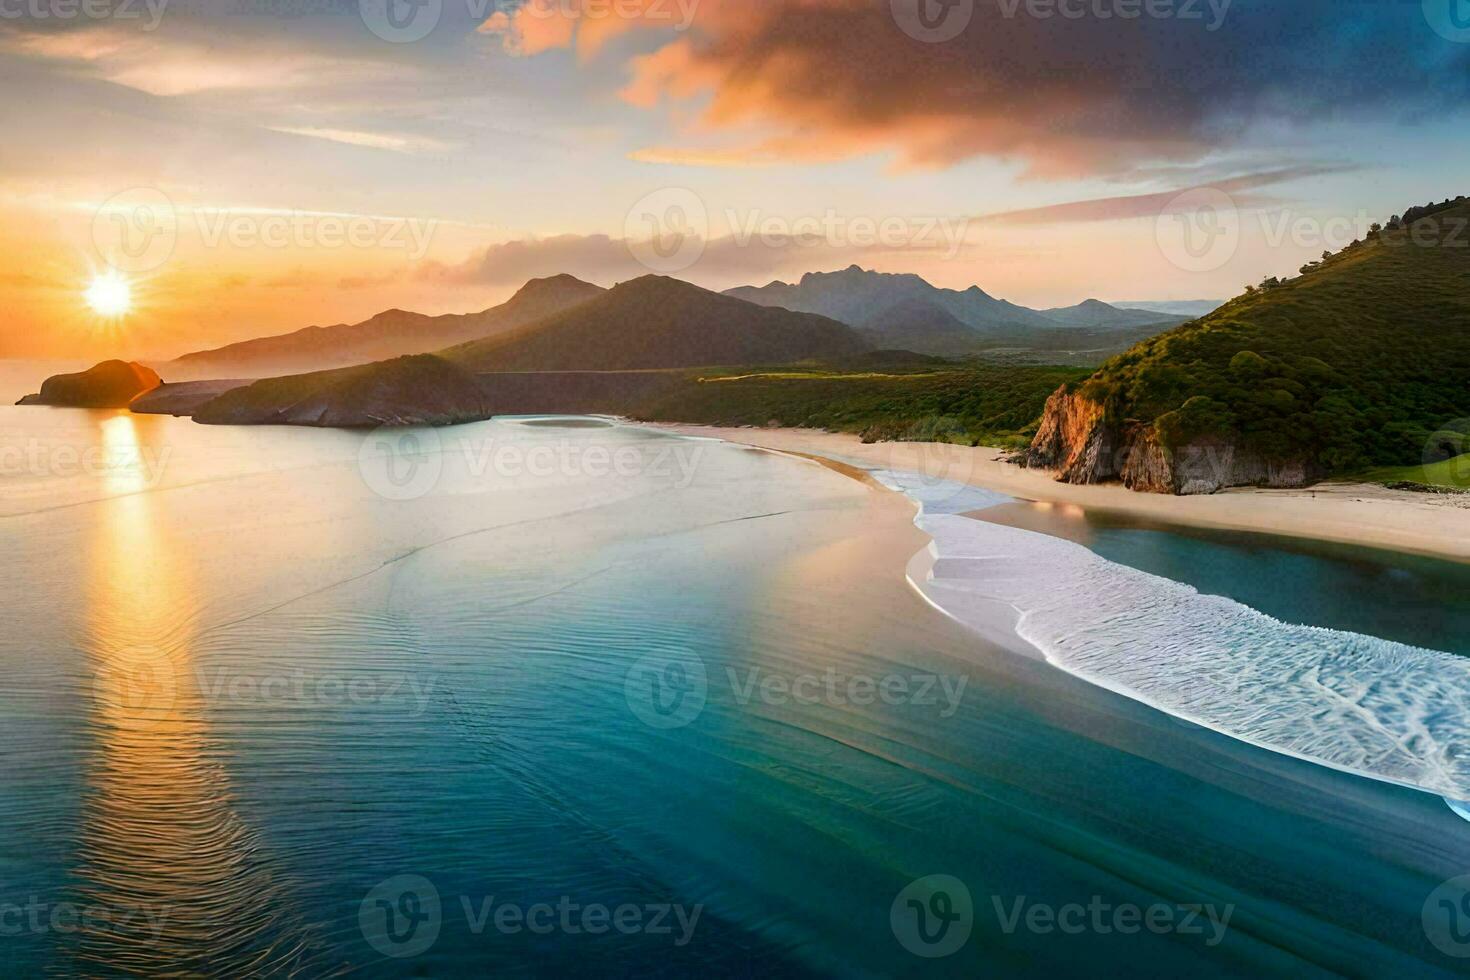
[(1359, 514), (1003, 624)]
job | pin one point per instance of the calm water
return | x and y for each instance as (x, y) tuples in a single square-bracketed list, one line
[(300, 702)]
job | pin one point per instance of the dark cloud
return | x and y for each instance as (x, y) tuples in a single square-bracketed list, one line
[(1066, 95)]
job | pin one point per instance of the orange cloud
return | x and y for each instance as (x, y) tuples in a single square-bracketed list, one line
[(1063, 96)]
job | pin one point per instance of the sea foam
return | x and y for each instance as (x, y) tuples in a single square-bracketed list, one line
[(1357, 703)]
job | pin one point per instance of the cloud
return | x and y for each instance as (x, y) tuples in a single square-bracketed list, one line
[(1153, 205), (186, 60), (724, 262), (396, 142), (1063, 95)]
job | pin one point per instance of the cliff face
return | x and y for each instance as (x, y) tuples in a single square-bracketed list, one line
[(1077, 443)]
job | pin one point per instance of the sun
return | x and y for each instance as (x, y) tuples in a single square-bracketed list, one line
[(110, 295)]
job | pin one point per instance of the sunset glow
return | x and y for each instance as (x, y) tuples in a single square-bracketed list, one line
[(110, 295)]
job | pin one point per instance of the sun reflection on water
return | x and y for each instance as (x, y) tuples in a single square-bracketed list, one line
[(163, 853)]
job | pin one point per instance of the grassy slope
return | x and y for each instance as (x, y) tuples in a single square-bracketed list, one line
[(1453, 473), (973, 404), (1357, 363)]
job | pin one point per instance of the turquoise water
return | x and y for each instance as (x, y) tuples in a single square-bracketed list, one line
[(1415, 600), (259, 681)]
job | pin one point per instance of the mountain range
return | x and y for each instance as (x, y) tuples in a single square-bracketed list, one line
[(889, 311), (645, 328), (389, 334), (907, 312), (656, 322)]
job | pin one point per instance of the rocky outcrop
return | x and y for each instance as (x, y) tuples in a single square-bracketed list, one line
[(1074, 441), (1078, 443), (182, 399), (111, 384), (417, 390)]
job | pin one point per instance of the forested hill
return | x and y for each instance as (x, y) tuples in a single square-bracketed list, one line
[(1360, 360)]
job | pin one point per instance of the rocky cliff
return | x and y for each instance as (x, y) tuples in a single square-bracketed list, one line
[(1078, 443)]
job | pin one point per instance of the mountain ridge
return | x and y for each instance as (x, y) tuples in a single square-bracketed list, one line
[(659, 322), (392, 333), (867, 299)]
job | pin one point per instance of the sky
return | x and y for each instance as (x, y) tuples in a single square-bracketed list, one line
[(250, 167)]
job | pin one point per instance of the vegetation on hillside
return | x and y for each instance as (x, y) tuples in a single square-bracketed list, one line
[(1359, 362), (1451, 473), (975, 404), (654, 323)]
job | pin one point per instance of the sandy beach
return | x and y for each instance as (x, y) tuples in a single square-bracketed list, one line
[(1001, 583), (1349, 513)]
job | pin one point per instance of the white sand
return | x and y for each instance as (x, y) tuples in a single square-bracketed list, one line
[(1352, 513)]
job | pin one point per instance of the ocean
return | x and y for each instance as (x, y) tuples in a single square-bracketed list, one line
[(556, 696)]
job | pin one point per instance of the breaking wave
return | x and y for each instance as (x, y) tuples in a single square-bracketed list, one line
[(1357, 703)]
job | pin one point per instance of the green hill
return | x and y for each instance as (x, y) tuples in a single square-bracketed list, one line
[(1363, 360), (416, 389), (655, 322)]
